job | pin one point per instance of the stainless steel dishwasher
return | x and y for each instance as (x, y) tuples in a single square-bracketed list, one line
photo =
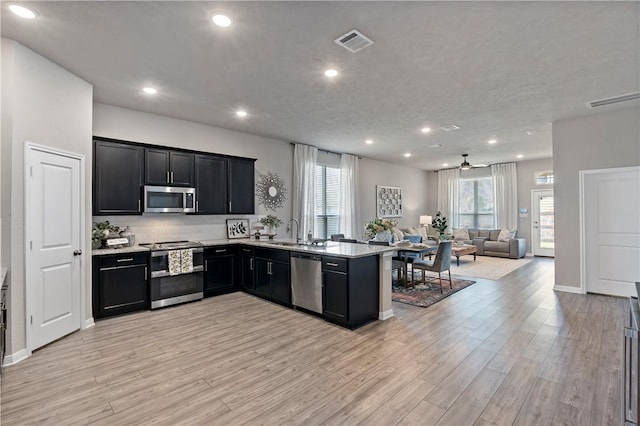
[(306, 281)]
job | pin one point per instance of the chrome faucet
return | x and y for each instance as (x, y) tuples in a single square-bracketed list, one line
[(297, 228)]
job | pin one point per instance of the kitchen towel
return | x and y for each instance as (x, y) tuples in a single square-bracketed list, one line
[(187, 261), (175, 262)]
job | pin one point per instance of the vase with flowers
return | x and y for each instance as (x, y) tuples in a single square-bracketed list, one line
[(380, 229), (440, 224), (271, 222)]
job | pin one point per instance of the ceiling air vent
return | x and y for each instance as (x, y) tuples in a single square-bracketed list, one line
[(614, 100), (354, 41), (450, 127)]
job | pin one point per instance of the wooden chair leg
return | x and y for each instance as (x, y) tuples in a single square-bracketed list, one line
[(450, 283), (440, 279)]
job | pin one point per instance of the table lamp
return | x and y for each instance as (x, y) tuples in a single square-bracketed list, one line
[(425, 221)]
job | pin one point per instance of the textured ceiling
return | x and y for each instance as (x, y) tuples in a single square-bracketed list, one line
[(497, 69)]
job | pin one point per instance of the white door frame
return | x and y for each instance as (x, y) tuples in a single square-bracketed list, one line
[(535, 208), (583, 255), (28, 146)]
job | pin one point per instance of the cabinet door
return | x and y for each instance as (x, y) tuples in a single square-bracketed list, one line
[(247, 272), (280, 282), (335, 296), (241, 186), (211, 184), (117, 178), (122, 289), (262, 277), (218, 275), (156, 166), (181, 168)]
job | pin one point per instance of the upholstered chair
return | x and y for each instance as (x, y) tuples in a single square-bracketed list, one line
[(441, 263), (395, 264), (336, 237)]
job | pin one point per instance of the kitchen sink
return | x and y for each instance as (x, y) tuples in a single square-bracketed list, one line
[(285, 243)]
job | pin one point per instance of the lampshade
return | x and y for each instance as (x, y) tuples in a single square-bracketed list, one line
[(425, 220)]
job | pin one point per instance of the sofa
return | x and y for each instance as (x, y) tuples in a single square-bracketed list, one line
[(490, 242)]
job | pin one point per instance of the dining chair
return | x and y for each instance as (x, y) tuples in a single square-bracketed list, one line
[(336, 237), (347, 240), (441, 263), (395, 263)]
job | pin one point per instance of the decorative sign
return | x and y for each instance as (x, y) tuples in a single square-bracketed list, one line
[(271, 191), (237, 228), (388, 201)]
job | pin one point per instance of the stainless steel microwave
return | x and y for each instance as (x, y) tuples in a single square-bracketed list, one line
[(169, 199)]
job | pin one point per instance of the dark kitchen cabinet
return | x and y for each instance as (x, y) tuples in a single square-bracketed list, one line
[(272, 275), (211, 184), (167, 167), (219, 270), (246, 268), (120, 284), (350, 290), (117, 178), (241, 186)]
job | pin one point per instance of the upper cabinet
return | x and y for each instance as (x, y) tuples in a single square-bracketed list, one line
[(241, 186), (224, 185), (117, 178), (167, 167)]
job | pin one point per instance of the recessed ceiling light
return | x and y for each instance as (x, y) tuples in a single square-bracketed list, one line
[(425, 129), (241, 113), (450, 127), (22, 11), (221, 20), (368, 141), (150, 90), (531, 132), (331, 73), (445, 164), (492, 141), (519, 156), (407, 154), (436, 145)]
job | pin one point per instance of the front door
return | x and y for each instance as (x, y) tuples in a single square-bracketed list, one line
[(542, 222), (53, 244), (611, 230)]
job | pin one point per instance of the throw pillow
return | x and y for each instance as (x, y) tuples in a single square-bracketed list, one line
[(413, 238), (506, 234), (398, 235), (461, 234)]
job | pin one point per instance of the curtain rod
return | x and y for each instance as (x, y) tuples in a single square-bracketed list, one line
[(324, 150)]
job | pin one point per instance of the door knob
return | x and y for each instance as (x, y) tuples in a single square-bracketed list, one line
[(77, 252)]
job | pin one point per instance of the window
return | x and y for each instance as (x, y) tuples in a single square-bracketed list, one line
[(476, 203), (327, 201), (544, 178)]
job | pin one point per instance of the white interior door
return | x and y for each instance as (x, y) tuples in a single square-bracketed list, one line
[(542, 223), (611, 230), (53, 246)]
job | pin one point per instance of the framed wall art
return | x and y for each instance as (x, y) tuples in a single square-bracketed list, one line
[(237, 228), (388, 201)]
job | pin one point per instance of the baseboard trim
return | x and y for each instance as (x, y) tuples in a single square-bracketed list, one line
[(15, 358), (385, 315), (568, 289), (88, 323), (528, 255)]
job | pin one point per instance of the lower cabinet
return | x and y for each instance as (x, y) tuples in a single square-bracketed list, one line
[(120, 284), (246, 273), (350, 290), (219, 270), (272, 275)]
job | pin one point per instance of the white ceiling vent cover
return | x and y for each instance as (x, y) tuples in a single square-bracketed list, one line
[(613, 100), (354, 41)]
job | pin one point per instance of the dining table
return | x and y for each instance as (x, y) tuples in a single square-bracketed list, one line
[(407, 254)]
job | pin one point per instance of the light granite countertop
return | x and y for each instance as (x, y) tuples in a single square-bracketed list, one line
[(107, 251)]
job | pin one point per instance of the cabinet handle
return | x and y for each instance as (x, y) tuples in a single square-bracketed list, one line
[(168, 179), (221, 251), (139, 205), (269, 268), (331, 264), (206, 265), (128, 259), (171, 177), (229, 205), (251, 264), (145, 273), (197, 206)]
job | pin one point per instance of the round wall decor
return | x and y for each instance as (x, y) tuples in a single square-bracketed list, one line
[(271, 191)]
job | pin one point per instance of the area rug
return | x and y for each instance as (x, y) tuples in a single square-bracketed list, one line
[(487, 267), (426, 294)]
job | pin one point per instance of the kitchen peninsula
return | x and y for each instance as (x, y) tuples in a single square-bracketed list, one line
[(356, 278)]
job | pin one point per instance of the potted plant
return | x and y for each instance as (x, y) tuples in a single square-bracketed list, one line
[(440, 223), (271, 222), (380, 229), (100, 232)]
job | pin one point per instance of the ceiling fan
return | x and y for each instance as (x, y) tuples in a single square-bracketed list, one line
[(465, 165)]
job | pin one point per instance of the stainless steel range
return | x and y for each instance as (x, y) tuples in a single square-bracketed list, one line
[(176, 272)]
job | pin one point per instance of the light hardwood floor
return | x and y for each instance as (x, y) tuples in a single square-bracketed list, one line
[(511, 351)]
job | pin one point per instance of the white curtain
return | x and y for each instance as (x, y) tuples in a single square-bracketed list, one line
[(449, 195), (304, 194), (349, 203), (505, 184)]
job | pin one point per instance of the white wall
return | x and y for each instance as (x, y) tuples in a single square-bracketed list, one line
[(606, 140), (272, 156), (412, 181), (526, 182), (44, 104)]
